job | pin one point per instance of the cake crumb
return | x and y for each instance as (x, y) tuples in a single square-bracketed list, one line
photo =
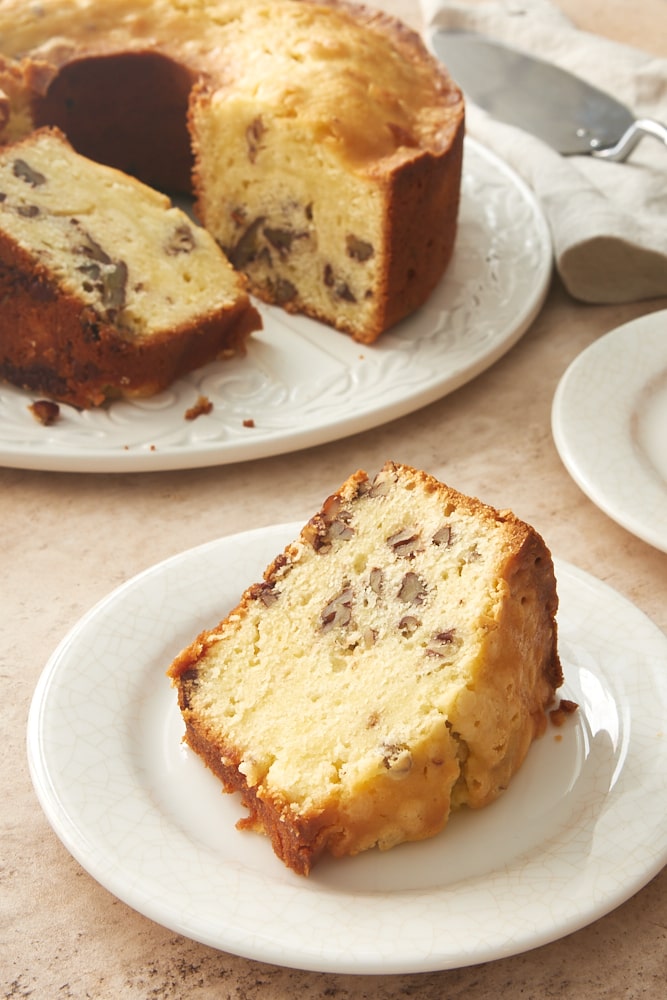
[(249, 422), (45, 411), (201, 407), (565, 708)]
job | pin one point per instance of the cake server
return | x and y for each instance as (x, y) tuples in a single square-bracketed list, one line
[(558, 107)]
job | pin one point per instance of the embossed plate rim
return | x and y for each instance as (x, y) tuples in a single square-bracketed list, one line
[(471, 320)]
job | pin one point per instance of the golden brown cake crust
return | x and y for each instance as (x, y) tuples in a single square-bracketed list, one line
[(491, 721), (68, 352)]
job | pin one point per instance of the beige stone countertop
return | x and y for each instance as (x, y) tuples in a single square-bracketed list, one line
[(70, 539)]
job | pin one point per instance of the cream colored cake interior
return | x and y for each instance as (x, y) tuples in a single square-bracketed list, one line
[(294, 244), (95, 229), (291, 70), (346, 670)]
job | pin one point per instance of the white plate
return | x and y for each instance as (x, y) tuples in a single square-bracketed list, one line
[(580, 829), (304, 384), (609, 421)]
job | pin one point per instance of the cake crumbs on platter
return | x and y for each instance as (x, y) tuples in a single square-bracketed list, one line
[(45, 411), (249, 422), (201, 408), (560, 714)]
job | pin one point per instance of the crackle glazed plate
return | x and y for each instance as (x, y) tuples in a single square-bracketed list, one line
[(580, 829), (303, 384)]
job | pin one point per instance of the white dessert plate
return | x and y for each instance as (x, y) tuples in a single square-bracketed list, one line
[(609, 422), (580, 829), (303, 384)]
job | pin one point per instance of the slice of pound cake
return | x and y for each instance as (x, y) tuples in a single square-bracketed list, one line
[(396, 663), (106, 289)]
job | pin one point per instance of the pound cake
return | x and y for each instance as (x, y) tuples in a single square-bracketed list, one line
[(106, 290), (395, 663), (322, 141)]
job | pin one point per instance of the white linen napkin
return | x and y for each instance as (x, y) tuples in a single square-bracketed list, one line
[(608, 220)]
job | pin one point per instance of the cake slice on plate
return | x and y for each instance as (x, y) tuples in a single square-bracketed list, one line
[(395, 663)]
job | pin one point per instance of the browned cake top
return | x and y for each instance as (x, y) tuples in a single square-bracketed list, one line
[(300, 59)]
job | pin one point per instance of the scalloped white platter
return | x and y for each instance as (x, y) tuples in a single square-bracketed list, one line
[(609, 423), (580, 829), (302, 383)]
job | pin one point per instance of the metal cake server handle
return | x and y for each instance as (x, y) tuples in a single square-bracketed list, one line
[(634, 134)]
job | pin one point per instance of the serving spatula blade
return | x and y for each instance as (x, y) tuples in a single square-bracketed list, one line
[(558, 107)]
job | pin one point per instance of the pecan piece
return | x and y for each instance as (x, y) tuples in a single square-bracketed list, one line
[(284, 291), (443, 536), (267, 594), (245, 250), (405, 543), (93, 271), (397, 758), (439, 644), (412, 589), (331, 507), (338, 612), (89, 247), (408, 625), (370, 636), (109, 281), (253, 135), (339, 288), (25, 172), (379, 488), (282, 239), (114, 285), (376, 580), (182, 241), (330, 524), (358, 249), (339, 529), (344, 292)]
